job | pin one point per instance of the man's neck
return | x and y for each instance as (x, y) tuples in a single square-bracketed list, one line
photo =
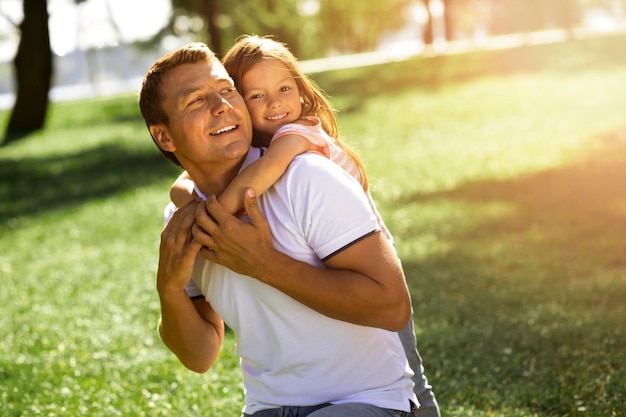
[(213, 180)]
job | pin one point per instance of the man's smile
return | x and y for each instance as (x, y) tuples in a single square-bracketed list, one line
[(224, 130)]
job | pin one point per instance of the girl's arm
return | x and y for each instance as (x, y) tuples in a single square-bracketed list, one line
[(181, 192), (262, 173)]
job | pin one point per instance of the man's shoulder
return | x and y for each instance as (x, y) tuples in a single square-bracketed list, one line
[(312, 170), (312, 160), (313, 167)]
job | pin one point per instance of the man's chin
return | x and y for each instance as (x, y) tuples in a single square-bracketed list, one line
[(238, 148)]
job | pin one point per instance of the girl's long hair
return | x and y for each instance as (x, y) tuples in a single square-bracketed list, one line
[(251, 49)]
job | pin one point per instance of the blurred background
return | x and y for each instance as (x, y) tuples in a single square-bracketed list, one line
[(105, 46)]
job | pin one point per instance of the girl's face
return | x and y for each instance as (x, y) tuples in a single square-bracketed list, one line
[(271, 95)]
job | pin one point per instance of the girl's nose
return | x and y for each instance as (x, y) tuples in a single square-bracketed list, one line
[(273, 101)]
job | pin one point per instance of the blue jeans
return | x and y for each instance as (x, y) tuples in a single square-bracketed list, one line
[(331, 410)]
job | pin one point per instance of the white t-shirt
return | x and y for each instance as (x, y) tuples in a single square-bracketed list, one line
[(291, 354)]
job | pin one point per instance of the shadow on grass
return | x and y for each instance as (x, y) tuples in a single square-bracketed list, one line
[(526, 311), (34, 185), (581, 206), (93, 112)]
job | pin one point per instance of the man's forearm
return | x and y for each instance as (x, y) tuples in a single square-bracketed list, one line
[(195, 340), (340, 294), (192, 330)]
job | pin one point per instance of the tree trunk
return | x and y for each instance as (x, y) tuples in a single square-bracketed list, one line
[(427, 34), (210, 10), (33, 72), (448, 14)]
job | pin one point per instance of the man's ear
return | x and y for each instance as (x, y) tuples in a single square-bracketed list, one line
[(161, 136)]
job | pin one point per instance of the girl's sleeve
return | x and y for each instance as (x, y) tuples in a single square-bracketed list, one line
[(314, 134)]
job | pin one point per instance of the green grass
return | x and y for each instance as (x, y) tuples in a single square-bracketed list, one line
[(501, 174)]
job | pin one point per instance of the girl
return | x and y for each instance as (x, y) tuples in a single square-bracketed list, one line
[(290, 115)]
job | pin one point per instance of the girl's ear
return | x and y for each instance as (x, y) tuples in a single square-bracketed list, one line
[(161, 136)]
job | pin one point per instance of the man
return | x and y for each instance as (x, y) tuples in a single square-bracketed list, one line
[(314, 340)]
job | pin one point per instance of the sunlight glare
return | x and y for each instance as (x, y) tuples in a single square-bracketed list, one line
[(63, 36), (101, 23), (436, 8)]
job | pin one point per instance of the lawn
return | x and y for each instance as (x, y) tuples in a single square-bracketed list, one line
[(501, 174)]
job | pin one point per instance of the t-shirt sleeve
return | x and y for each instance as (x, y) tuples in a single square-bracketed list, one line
[(336, 212), (192, 289), (168, 212)]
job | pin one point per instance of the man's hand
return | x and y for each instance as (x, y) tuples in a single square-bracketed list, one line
[(191, 329), (178, 249), (240, 246)]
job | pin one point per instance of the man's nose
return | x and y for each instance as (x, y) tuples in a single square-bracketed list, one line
[(219, 104)]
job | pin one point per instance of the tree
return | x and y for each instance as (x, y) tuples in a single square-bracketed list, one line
[(311, 28), (427, 33), (209, 11), (349, 26), (279, 18), (33, 72), (226, 20)]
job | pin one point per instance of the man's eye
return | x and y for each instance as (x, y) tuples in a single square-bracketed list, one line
[(229, 91), (195, 101)]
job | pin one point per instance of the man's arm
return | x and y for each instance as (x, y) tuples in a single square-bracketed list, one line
[(190, 329), (365, 286)]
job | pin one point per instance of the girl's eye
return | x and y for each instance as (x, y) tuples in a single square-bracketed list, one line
[(255, 96), (285, 89)]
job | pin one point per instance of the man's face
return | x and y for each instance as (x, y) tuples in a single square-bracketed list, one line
[(208, 119)]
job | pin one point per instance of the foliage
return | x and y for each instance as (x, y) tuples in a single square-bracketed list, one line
[(317, 28), (347, 26), (502, 176), (330, 26)]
